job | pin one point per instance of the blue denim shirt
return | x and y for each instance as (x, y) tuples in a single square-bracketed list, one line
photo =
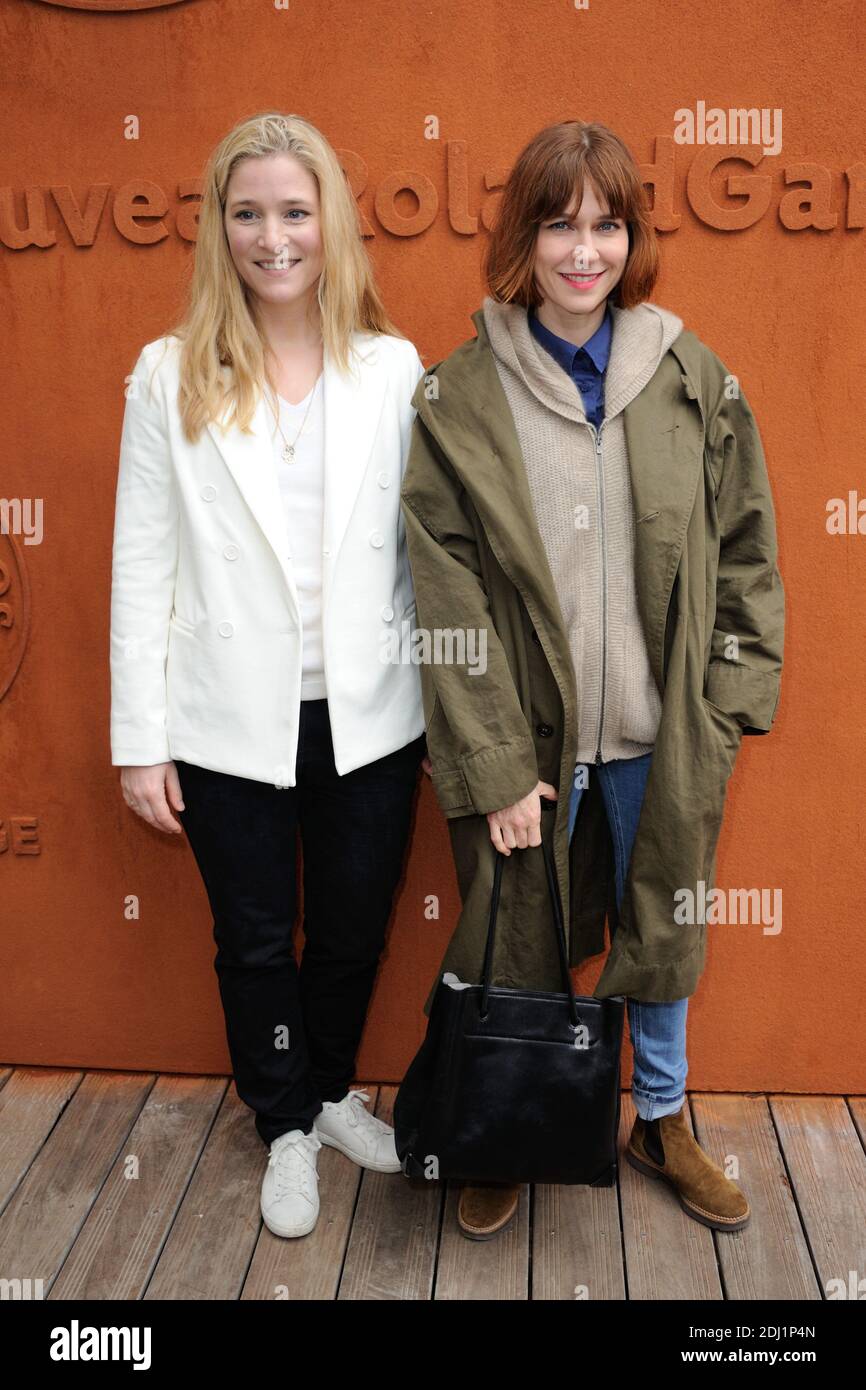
[(585, 365)]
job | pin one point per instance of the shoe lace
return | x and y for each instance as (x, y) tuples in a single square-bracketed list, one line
[(359, 1117), (294, 1166)]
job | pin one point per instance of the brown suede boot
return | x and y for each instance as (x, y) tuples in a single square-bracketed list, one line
[(666, 1148), (486, 1208)]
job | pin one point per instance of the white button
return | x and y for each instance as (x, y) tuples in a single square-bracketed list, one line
[(382, 479), (387, 612), (231, 552), (225, 629), (377, 539), (327, 550), (208, 492)]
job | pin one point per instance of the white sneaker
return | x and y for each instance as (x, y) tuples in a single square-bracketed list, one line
[(290, 1187), (348, 1126)]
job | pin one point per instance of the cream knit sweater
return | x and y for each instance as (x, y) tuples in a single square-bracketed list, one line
[(583, 505)]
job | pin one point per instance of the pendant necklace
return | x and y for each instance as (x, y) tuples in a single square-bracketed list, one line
[(289, 449)]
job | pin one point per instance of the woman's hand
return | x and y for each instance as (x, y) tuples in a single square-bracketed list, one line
[(517, 826), (149, 791), (427, 766)]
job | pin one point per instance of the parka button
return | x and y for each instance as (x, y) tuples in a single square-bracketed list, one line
[(225, 629), (231, 551), (535, 637), (382, 478), (377, 539), (208, 492), (544, 730), (387, 612)]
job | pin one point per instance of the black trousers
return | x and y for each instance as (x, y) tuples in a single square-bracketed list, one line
[(293, 1032)]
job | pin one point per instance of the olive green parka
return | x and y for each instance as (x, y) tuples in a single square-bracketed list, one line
[(705, 571)]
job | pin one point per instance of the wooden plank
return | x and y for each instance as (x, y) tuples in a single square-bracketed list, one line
[(769, 1258), (392, 1247), (52, 1201), (857, 1107), (74, 1217), (667, 1254), (309, 1267), (211, 1242), (30, 1101), (827, 1166), (495, 1269), (577, 1243), (119, 1244)]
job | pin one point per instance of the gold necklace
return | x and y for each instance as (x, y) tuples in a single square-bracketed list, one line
[(289, 449)]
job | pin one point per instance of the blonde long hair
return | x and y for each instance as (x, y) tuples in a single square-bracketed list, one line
[(220, 329)]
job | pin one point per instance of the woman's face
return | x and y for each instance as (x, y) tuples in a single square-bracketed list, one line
[(581, 255), (273, 227)]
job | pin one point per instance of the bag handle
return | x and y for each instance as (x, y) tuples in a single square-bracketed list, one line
[(558, 926)]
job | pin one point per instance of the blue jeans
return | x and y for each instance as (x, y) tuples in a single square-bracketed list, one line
[(658, 1031)]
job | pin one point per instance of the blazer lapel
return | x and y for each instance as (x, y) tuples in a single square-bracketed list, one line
[(352, 407), (249, 459)]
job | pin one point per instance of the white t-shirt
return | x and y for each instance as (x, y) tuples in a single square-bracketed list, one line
[(302, 487)]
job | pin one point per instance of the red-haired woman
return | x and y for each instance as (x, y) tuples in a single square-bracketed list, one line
[(586, 490)]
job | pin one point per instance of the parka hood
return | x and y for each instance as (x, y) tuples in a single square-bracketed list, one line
[(641, 336)]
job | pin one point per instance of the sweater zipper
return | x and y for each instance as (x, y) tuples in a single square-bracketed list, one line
[(599, 475)]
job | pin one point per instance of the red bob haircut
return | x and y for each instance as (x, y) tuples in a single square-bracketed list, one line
[(548, 172)]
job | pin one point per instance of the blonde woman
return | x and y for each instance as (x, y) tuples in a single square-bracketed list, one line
[(259, 562)]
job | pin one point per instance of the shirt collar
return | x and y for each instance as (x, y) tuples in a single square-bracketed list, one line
[(597, 347)]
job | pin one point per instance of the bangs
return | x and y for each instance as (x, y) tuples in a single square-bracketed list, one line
[(547, 180), (566, 189)]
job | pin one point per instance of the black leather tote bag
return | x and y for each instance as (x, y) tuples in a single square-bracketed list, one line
[(514, 1085)]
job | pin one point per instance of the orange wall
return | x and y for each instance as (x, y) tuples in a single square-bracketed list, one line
[(777, 291)]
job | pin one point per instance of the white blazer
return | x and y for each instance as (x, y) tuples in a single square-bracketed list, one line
[(206, 640)]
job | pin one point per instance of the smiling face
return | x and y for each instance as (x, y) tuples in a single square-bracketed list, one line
[(579, 257), (273, 228)]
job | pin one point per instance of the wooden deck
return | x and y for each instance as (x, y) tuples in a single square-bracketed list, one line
[(136, 1186)]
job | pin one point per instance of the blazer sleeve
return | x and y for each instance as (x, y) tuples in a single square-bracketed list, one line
[(744, 678), (144, 566), (479, 741)]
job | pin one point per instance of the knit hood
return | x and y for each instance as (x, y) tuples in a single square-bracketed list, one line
[(640, 338)]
